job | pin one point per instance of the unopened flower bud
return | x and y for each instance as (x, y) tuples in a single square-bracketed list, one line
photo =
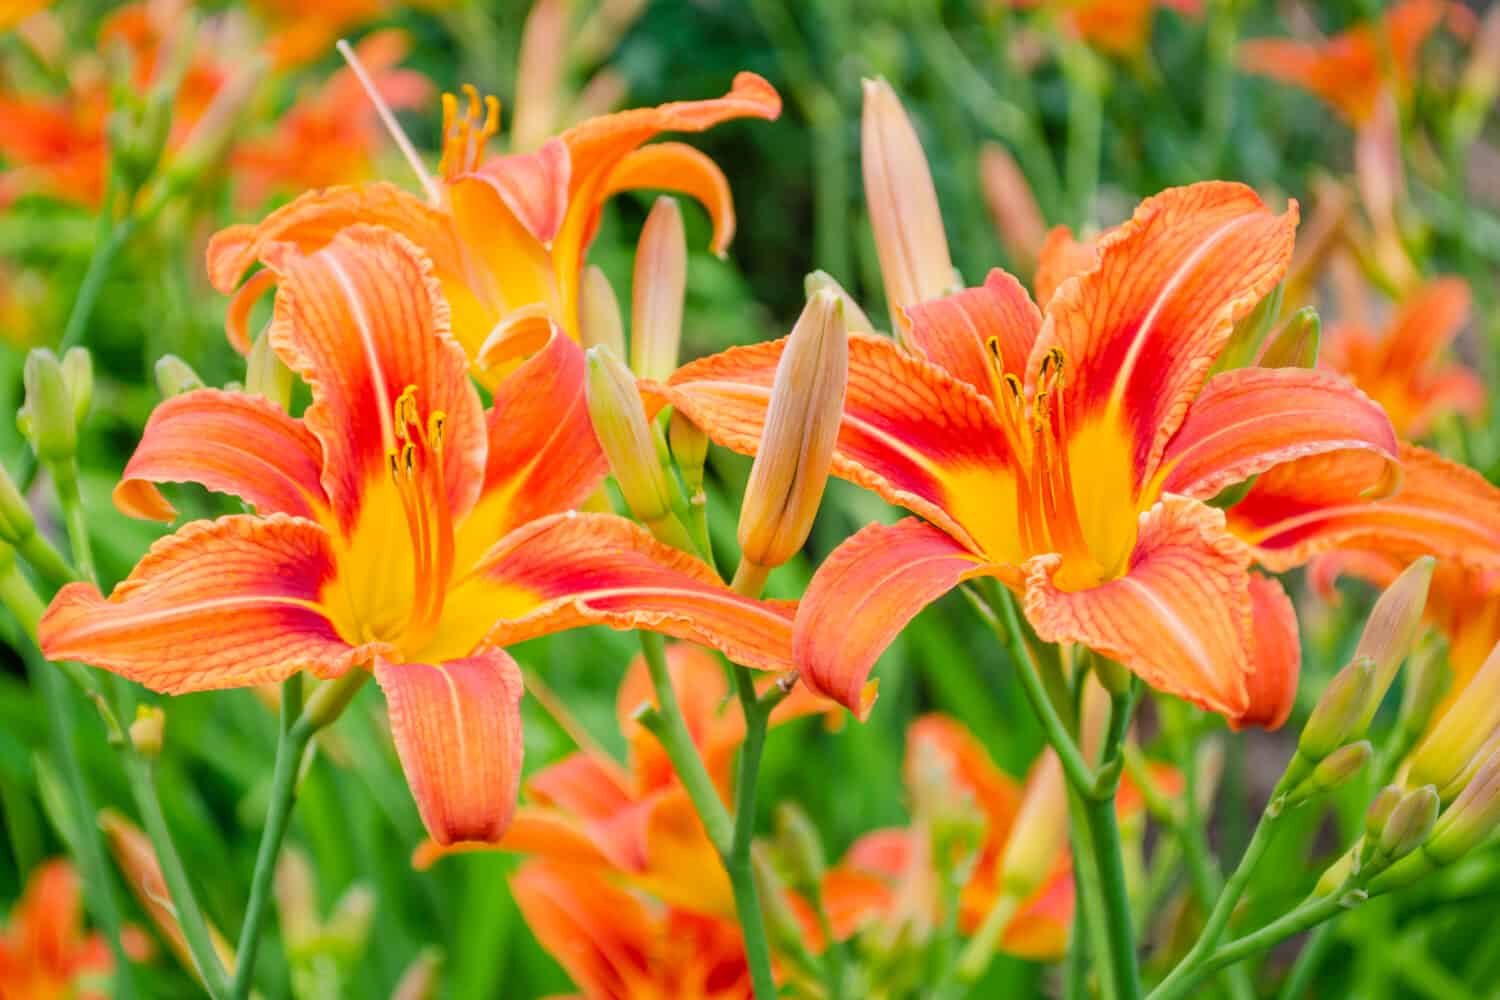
[(348, 929), (802, 426), (1039, 831), (1409, 823), (16, 521), (782, 924), (47, 417), (1335, 717), (1333, 771), (1455, 788), (175, 376), (147, 731), (1249, 334), (625, 436), (421, 979), (659, 287), (1428, 678), (1113, 676), (78, 376), (266, 376), (1295, 342), (1013, 208), (854, 317), (1380, 810), (296, 894), (599, 320), (689, 450), (1472, 719), (908, 225), (1470, 819), (800, 847), (1391, 631)]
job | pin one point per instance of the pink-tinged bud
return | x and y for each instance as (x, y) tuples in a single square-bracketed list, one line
[(854, 317), (660, 283), (422, 977), (1391, 631), (689, 446), (136, 859), (539, 75), (1380, 810), (601, 31), (599, 321), (800, 847), (1039, 831), (624, 434), (1333, 771), (802, 425), (1335, 718), (1455, 788), (1409, 824), (1013, 207), (1457, 738), (1470, 819), (909, 237)]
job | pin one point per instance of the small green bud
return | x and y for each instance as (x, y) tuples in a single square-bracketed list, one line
[(690, 451), (1333, 771), (148, 730), (1295, 344), (1334, 717), (1409, 824), (266, 376), (47, 417), (1380, 810), (348, 929), (1113, 677), (175, 376), (1249, 334), (800, 847), (1470, 819), (78, 376)]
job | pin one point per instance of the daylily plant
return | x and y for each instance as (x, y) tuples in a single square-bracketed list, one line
[(507, 234), (399, 527), (1068, 454)]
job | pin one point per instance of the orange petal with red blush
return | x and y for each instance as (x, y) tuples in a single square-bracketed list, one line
[(1250, 419), (601, 934), (533, 186), (1139, 332), (1061, 257), (1429, 320), (586, 569), (954, 332), (226, 603), (1180, 615), (229, 442), (911, 432), (683, 169), (361, 320), (1304, 508), (939, 738), (1275, 656), (457, 728), (863, 596)]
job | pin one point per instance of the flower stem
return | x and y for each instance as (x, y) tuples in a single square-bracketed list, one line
[(741, 876), (1096, 815)]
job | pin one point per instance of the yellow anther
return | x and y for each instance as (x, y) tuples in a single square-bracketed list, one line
[(435, 425), (393, 461), (1014, 385), (409, 457)]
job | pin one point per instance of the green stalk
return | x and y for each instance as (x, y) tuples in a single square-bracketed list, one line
[(1097, 815), (1308, 915), (17, 595), (1313, 952), (741, 876), (1085, 130)]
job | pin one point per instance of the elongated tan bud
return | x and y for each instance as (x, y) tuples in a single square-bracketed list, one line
[(1039, 831), (1470, 819), (854, 317), (909, 236), (1013, 207), (802, 425), (660, 283), (599, 313), (1457, 738)]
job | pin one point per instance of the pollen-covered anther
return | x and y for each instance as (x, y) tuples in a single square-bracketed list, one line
[(416, 467), (464, 136)]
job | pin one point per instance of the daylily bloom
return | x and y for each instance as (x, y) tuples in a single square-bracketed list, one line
[(507, 235), (1069, 454), (44, 952), (1121, 27), (1348, 70), (303, 32), (635, 820), (1402, 368), (618, 946), (13, 12), (374, 542), (331, 135)]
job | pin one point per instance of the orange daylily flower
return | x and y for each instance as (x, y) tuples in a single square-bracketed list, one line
[(44, 952), (303, 32), (619, 946), (374, 543), (331, 135), (13, 12), (1348, 70), (1121, 27), (507, 235), (636, 821), (889, 876), (1402, 368), (1069, 454)]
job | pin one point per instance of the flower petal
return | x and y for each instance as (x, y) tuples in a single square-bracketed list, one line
[(1139, 332), (457, 727), (1304, 508), (864, 594), (361, 320), (936, 738), (229, 442), (954, 332), (1060, 258), (543, 456), (1275, 656), (1179, 617), (1429, 319), (911, 432), (533, 186), (226, 603), (676, 166), (1250, 419), (574, 569)]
